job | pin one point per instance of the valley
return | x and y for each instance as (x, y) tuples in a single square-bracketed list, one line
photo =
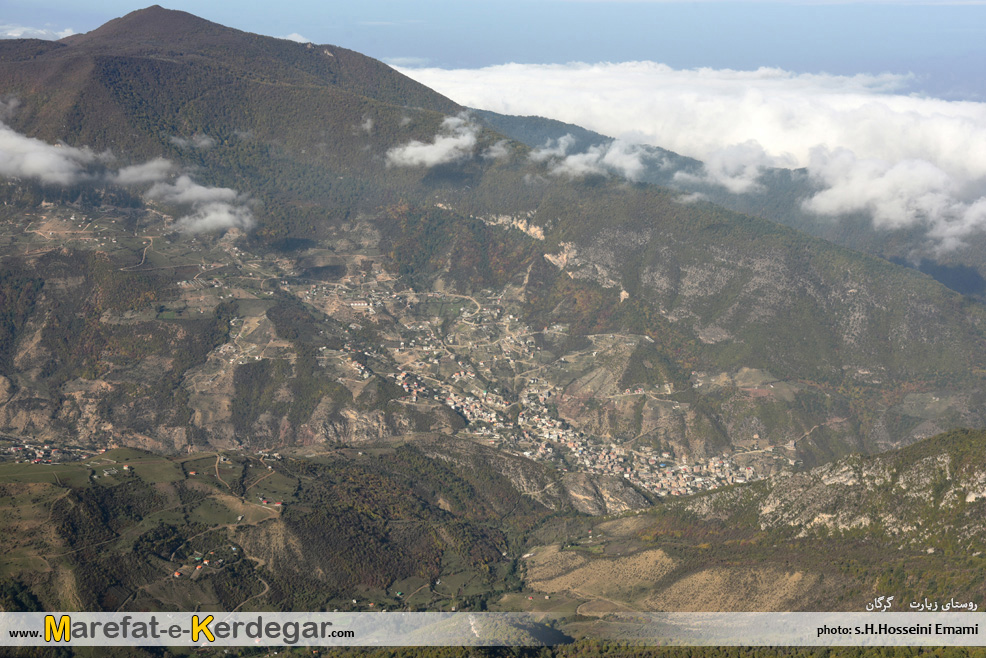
[(282, 329)]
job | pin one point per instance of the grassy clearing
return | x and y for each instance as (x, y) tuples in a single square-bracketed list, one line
[(408, 586), (73, 474), (212, 512), (124, 455), (274, 487), (536, 602), (161, 470)]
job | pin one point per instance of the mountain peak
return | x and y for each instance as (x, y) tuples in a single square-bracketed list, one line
[(148, 27), (179, 37)]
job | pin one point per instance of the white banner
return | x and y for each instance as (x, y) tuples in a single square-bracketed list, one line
[(959, 629)]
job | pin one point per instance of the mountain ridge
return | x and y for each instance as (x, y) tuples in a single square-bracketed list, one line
[(778, 197)]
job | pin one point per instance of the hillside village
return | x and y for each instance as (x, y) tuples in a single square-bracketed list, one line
[(461, 369)]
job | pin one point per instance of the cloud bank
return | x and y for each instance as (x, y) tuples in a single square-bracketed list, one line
[(456, 140), (218, 216), (8, 31), (554, 148), (903, 159), (211, 208)]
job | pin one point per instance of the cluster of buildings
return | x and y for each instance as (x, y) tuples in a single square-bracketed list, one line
[(411, 384), (45, 454), (658, 474), (360, 369), (456, 378), (665, 479), (477, 409)]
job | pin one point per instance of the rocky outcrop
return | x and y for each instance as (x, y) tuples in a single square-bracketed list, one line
[(914, 494), (6, 389), (601, 495)]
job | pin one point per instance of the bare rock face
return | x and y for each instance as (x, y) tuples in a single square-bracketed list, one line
[(6, 389), (601, 495), (583, 494), (26, 414), (619, 496), (351, 426)]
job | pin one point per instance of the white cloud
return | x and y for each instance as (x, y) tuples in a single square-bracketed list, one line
[(8, 31), (895, 194), (8, 107), (186, 191), (498, 151), (213, 208), (196, 141), (618, 156), (736, 167), (553, 148), (152, 171), (216, 217), (297, 38), (904, 159), (693, 197), (625, 158), (26, 157), (456, 140)]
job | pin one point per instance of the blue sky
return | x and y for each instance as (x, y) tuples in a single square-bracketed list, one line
[(943, 44)]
